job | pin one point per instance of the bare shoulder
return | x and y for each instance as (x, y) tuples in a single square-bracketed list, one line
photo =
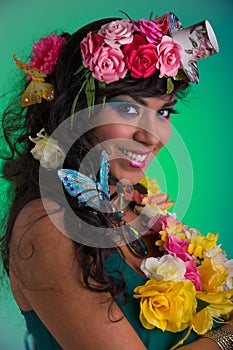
[(38, 245), (50, 282)]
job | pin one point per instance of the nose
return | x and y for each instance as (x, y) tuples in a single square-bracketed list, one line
[(152, 130)]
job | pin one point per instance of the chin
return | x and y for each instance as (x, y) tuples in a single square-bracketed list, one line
[(129, 173)]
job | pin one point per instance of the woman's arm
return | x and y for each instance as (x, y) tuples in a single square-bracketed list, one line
[(209, 344), (201, 344), (44, 262)]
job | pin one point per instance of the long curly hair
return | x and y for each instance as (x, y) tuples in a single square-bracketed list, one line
[(22, 170)]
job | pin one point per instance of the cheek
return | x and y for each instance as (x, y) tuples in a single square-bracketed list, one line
[(165, 132), (112, 131)]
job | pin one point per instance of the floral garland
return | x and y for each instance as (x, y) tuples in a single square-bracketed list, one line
[(191, 285)]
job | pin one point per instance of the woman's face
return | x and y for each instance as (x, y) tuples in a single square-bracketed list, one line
[(133, 132)]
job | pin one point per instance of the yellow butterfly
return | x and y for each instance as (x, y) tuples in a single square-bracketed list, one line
[(37, 88)]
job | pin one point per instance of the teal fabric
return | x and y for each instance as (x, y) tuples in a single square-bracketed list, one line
[(152, 339)]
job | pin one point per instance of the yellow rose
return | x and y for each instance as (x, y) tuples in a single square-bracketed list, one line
[(153, 187), (144, 181), (200, 244), (213, 275), (167, 305), (202, 321)]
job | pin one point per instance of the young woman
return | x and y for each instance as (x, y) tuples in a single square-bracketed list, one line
[(76, 236)]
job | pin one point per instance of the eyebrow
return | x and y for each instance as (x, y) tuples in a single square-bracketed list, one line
[(166, 104)]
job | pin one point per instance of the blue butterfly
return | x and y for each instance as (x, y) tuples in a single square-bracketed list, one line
[(88, 192)]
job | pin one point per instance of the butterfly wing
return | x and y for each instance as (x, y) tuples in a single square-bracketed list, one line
[(35, 91), (80, 186), (104, 172), (29, 70), (37, 88)]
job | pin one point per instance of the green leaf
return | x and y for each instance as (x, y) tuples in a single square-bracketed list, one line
[(170, 86), (75, 102), (191, 30), (90, 93), (126, 14), (202, 31), (180, 75), (103, 102), (79, 69), (194, 43), (101, 84), (201, 304), (189, 51)]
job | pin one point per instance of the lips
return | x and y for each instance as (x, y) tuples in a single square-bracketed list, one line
[(137, 158)]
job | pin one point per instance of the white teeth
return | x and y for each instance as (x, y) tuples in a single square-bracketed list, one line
[(134, 156)]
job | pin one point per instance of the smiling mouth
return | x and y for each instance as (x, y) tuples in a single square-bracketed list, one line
[(139, 158)]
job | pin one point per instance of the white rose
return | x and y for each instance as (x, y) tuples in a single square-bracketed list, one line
[(191, 233), (229, 281), (150, 211), (166, 268), (47, 151)]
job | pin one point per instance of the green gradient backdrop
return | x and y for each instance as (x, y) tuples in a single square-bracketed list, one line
[(205, 123)]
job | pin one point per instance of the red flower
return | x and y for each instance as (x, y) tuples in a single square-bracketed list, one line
[(140, 57)]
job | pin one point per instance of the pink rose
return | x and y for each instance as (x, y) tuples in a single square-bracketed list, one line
[(117, 33), (165, 220), (107, 65), (177, 247), (192, 274), (153, 30), (140, 57), (46, 53), (89, 45), (170, 55)]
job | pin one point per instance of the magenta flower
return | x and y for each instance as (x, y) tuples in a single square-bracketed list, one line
[(153, 30), (170, 55), (117, 33), (176, 246), (46, 53), (107, 65), (89, 45), (192, 274)]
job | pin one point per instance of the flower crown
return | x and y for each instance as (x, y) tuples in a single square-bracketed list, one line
[(137, 48), (124, 48), (140, 48)]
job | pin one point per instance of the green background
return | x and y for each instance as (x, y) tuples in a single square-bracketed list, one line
[(200, 156)]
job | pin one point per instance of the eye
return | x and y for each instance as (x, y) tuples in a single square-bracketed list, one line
[(165, 113), (125, 108), (128, 108)]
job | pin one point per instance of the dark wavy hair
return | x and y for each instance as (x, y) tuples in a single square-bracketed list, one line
[(22, 170)]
